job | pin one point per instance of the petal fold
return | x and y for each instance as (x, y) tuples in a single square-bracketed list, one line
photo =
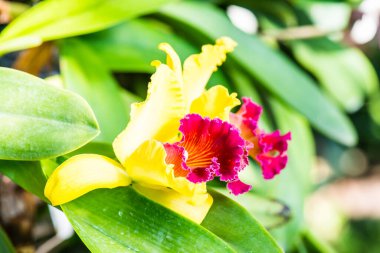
[(177, 156), (197, 69), (155, 118), (215, 103), (81, 174)]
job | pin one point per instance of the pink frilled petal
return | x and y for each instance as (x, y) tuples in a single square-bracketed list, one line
[(269, 150), (214, 148), (248, 115), (246, 120), (209, 148), (199, 175), (270, 165), (273, 157), (238, 187)]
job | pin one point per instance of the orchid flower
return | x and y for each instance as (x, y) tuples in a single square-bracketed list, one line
[(179, 138)]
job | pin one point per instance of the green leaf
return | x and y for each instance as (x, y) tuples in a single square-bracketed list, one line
[(131, 46), (55, 19), (273, 70), (236, 226), (99, 148), (344, 72), (315, 245), (270, 212), (28, 175), (121, 220), (39, 121), (5, 244), (129, 222), (83, 72)]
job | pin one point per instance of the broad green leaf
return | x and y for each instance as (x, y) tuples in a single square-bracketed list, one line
[(121, 220), (236, 226), (5, 244), (28, 175), (131, 46), (39, 121), (83, 72), (270, 68), (270, 212), (55, 19), (344, 72), (128, 222), (99, 148)]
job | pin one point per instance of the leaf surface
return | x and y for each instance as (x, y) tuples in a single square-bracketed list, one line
[(56, 19), (39, 121)]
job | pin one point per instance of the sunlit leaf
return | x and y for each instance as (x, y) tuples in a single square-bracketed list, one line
[(38, 121), (133, 45), (121, 220), (270, 212), (128, 222), (236, 226), (55, 19)]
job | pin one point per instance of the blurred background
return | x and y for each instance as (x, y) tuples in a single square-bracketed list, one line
[(328, 199)]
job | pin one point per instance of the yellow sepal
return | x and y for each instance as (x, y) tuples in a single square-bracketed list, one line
[(147, 165), (197, 69), (177, 202), (81, 174), (215, 103), (157, 117)]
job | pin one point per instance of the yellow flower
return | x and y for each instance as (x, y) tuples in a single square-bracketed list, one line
[(149, 149)]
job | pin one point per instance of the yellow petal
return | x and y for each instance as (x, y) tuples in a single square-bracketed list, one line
[(81, 174), (178, 203), (147, 165), (198, 68), (215, 103), (172, 59), (155, 118)]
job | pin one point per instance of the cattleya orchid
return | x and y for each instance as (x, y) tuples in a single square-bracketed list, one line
[(179, 138)]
